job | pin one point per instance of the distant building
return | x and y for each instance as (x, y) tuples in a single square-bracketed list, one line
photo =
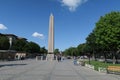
[(11, 54), (7, 54), (20, 56)]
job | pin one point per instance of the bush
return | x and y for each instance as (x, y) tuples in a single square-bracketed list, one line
[(97, 64)]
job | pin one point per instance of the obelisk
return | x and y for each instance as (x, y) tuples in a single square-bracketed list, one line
[(50, 55)]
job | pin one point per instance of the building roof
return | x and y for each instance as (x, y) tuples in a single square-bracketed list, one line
[(12, 36)]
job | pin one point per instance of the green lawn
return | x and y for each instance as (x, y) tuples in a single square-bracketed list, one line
[(101, 64)]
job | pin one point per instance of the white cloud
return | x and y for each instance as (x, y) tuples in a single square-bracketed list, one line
[(2, 27), (38, 35), (72, 4)]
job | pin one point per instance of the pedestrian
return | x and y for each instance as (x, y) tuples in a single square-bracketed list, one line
[(59, 58), (75, 61)]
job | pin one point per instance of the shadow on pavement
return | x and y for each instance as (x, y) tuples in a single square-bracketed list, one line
[(12, 65)]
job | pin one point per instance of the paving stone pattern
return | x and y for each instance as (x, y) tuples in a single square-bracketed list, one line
[(49, 70)]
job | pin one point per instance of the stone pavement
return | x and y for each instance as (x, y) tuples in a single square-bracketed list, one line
[(49, 70)]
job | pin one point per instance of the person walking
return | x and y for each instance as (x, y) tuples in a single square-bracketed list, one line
[(75, 61), (59, 58)]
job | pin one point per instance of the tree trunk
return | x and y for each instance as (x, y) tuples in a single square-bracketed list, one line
[(114, 59), (89, 57), (105, 60), (94, 56), (117, 56)]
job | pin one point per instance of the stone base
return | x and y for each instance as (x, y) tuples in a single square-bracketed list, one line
[(50, 57)]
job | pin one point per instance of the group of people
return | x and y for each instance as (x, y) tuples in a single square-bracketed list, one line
[(60, 58)]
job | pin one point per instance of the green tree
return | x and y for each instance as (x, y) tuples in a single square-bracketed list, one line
[(4, 43), (43, 50), (67, 52), (107, 32), (91, 44), (56, 51), (19, 44), (81, 49), (32, 47), (72, 51)]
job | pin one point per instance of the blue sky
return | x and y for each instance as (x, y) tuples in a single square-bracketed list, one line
[(74, 19)]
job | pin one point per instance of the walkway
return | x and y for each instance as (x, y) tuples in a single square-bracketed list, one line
[(49, 70)]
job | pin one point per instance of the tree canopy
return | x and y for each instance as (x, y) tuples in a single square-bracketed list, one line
[(56, 51), (32, 47), (19, 44), (104, 38), (4, 43), (107, 31)]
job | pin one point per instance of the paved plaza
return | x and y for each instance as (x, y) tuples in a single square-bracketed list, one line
[(49, 70)]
